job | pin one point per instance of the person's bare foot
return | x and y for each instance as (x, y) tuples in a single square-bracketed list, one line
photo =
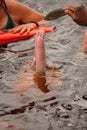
[(84, 47)]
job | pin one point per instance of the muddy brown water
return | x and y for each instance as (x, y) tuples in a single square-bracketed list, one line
[(23, 106)]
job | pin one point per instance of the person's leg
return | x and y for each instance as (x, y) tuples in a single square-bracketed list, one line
[(40, 51), (84, 47), (40, 59)]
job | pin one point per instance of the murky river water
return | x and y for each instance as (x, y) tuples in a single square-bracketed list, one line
[(23, 106)]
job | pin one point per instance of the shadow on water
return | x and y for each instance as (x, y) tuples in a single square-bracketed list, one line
[(30, 106)]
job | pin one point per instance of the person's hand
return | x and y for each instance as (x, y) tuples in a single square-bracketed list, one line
[(78, 14), (23, 28)]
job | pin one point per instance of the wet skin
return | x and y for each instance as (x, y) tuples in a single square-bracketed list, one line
[(40, 61)]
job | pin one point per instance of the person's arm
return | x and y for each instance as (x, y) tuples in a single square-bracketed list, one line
[(24, 13), (24, 16), (78, 14)]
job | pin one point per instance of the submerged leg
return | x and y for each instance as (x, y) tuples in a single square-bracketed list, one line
[(40, 76)]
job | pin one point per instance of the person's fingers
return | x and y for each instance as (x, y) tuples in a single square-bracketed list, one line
[(15, 30), (28, 30), (75, 9), (22, 30), (71, 8), (72, 14)]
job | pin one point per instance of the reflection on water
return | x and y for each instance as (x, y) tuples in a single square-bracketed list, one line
[(23, 106), (42, 80)]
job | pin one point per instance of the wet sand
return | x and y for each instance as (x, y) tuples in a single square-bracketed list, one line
[(23, 106)]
